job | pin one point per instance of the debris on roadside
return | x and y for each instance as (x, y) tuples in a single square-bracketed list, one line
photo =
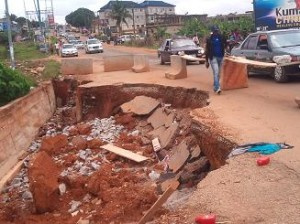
[(110, 169)]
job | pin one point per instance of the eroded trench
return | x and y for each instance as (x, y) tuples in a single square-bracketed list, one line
[(69, 178)]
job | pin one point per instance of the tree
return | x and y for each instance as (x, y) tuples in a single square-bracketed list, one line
[(21, 21), (120, 14), (161, 33), (194, 26), (80, 18), (13, 17)]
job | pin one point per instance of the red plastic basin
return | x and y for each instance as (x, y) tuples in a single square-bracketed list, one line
[(262, 161), (206, 219)]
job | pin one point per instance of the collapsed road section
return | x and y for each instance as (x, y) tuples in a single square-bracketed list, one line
[(112, 154)]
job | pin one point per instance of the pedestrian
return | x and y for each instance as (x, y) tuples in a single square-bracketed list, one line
[(57, 48), (196, 39), (215, 51)]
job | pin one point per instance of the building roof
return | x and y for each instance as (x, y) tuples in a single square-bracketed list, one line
[(128, 4), (156, 4)]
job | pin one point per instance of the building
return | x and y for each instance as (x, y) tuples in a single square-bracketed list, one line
[(142, 14)]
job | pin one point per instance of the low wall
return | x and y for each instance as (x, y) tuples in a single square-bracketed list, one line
[(20, 122), (77, 66), (118, 63)]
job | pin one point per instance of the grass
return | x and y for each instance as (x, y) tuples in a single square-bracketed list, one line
[(52, 70), (23, 51)]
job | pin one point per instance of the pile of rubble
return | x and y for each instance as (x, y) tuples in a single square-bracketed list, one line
[(91, 172)]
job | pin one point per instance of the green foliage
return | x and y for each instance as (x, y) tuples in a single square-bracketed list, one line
[(194, 26), (13, 17), (4, 37), (21, 21), (82, 17), (23, 51), (161, 33), (12, 85), (52, 70), (120, 14), (245, 25)]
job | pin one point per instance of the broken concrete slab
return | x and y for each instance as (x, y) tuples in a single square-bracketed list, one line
[(168, 137), (140, 105), (195, 152), (158, 118), (156, 133), (179, 157), (170, 119), (200, 165), (43, 177)]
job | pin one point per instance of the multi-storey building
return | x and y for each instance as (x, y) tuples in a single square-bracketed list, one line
[(142, 14)]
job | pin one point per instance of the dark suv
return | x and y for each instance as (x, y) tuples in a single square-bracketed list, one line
[(265, 46), (178, 46)]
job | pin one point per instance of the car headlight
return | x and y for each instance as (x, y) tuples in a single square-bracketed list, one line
[(201, 51)]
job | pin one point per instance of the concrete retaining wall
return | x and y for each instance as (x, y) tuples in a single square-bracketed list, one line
[(118, 63), (20, 122), (77, 66)]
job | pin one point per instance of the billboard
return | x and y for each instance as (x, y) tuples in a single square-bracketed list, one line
[(276, 14)]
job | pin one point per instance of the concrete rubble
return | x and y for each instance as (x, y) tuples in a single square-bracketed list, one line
[(68, 171)]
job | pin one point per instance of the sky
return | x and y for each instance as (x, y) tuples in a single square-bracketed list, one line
[(64, 7)]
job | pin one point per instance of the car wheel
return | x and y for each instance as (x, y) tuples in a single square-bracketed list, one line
[(280, 74)]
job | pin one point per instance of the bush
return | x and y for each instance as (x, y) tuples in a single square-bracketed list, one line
[(12, 85)]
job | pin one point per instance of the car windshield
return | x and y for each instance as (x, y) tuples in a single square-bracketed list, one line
[(286, 39), (93, 42), (182, 43), (67, 46)]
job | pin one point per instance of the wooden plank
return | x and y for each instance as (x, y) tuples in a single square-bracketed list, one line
[(125, 153), (161, 200), (251, 62), (192, 58)]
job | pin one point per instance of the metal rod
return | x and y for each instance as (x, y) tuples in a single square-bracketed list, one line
[(11, 45)]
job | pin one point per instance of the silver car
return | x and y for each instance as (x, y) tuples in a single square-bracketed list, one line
[(280, 46), (68, 50)]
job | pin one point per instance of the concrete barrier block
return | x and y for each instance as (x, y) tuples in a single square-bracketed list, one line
[(141, 64), (77, 66), (178, 68), (118, 63), (233, 75)]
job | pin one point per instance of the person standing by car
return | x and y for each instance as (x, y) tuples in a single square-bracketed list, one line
[(196, 39), (57, 48), (214, 53)]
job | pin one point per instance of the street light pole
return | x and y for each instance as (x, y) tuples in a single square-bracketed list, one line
[(11, 45)]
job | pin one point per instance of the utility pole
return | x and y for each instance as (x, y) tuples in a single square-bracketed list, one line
[(11, 45), (133, 21), (40, 23)]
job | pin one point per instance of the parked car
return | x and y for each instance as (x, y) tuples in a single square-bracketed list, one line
[(178, 46), (79, 44), (68, 50), (44, 48), (281, 46), (71, 38), (93, 46)]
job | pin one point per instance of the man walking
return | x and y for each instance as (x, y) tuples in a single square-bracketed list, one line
[(215, 51)]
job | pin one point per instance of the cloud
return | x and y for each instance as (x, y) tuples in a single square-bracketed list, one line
[(64, 7)]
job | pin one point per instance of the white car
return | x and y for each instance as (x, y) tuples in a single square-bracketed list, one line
[(69, 50), (79, 44), (93, 46)]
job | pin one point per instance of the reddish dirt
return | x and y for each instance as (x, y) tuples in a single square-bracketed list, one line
[(53, 145)]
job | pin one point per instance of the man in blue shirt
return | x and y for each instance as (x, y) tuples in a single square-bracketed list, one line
[(215, 51)]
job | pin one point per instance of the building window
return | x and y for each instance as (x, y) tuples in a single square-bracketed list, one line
[(170, 9), (137, 17), (143, 26)]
